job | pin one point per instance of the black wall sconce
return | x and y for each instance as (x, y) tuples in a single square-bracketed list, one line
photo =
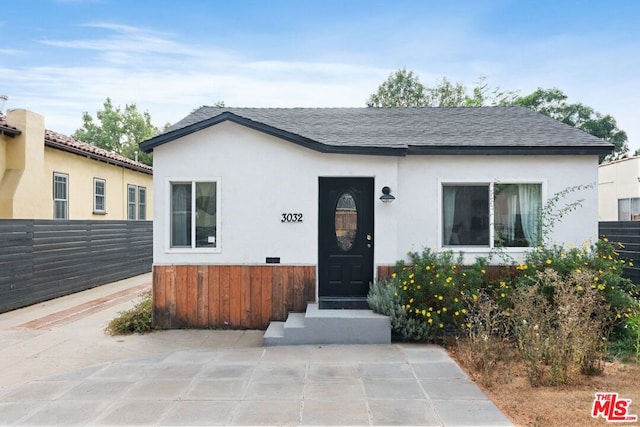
[(386, 195)]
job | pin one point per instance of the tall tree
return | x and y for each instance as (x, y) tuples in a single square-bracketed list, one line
[(118, 130), (482, 94), (553, 103), (401, 89), (446, 94)]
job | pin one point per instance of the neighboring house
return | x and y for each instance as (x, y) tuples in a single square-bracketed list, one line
[(47, 175), (619, 190), (259, 210)]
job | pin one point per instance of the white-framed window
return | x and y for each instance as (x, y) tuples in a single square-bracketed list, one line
[(629, 209), (60, 195), (142, 203), (491, 214), (194, 214), (99, 195), (131, 202)]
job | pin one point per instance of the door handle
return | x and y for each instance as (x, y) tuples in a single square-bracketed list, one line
[(369, 241)]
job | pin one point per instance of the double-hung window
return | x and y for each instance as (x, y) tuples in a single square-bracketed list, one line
[(131, 202), (60, 196), (194, 216), (142, 203), (491, 214), (99, 195)]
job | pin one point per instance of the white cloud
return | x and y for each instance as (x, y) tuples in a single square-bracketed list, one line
[(170, 77)]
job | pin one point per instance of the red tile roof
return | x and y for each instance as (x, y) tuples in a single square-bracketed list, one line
[(66, 143)]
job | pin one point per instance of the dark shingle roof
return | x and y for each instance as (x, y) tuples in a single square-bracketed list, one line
[(400, 131)]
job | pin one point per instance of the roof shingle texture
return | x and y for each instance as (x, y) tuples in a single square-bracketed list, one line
[(420, 127)]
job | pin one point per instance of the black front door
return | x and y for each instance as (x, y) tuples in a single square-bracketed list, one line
[(345, 237)]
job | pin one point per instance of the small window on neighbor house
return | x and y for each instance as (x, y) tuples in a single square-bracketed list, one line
[(142, 203), (629, 209), (99, 195), (131, 202), (194, 214), (60, 196)]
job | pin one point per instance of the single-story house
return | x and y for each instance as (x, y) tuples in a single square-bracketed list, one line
[(259, 210), (48, 175), (619, 190)]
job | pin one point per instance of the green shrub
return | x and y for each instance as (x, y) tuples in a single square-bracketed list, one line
[(429, 296), (627, 347), (135, 320), (601, 261), (383, 298)]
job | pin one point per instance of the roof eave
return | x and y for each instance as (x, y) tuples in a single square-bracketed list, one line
[(74, 150), (507, 150), (149, 145), (9, 131)]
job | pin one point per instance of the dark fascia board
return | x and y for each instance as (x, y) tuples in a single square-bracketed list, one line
[(9, 131), (505, 150), (149, 145), (94, 156)]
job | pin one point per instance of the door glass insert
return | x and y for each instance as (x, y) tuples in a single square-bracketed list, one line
[(346, 221)]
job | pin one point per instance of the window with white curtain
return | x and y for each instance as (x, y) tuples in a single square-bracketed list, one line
[(194, 214), (491, 214)]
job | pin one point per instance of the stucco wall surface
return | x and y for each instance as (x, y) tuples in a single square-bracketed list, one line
[(261, 177)]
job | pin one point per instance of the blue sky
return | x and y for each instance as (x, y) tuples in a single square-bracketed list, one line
[(62, 57)]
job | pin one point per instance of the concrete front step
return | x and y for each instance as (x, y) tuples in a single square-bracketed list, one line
[(317, 326)]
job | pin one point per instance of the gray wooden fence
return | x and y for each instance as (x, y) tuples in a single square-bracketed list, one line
[(627, 233), (45, 259)]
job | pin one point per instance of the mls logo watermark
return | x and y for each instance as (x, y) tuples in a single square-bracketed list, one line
[(612, 408)]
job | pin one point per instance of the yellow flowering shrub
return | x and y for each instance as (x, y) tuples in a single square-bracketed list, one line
[(433, 287)]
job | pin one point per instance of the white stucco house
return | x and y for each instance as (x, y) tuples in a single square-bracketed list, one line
[(257, 211)]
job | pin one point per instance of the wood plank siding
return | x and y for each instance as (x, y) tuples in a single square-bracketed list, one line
[(229, 296)]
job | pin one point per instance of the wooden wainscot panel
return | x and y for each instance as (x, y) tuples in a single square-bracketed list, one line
[(229, 296), (385, 271), (494, 272)]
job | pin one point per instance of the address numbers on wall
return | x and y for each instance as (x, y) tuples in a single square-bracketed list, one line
[(291, 217)]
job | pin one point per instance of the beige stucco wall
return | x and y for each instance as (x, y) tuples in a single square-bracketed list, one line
[(617, 180), (22, 176), (81, 172), (26, 183)]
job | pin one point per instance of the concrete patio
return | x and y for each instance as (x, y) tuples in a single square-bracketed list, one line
[(59, 368)]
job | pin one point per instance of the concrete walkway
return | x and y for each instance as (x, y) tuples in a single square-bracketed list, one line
[(57, 367)]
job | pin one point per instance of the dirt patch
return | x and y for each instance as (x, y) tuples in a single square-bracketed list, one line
[(567, 406)]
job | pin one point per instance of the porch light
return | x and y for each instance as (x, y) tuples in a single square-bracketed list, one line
[(386, 195)]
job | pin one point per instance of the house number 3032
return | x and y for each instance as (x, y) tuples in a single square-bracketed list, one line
[(291, 217)]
